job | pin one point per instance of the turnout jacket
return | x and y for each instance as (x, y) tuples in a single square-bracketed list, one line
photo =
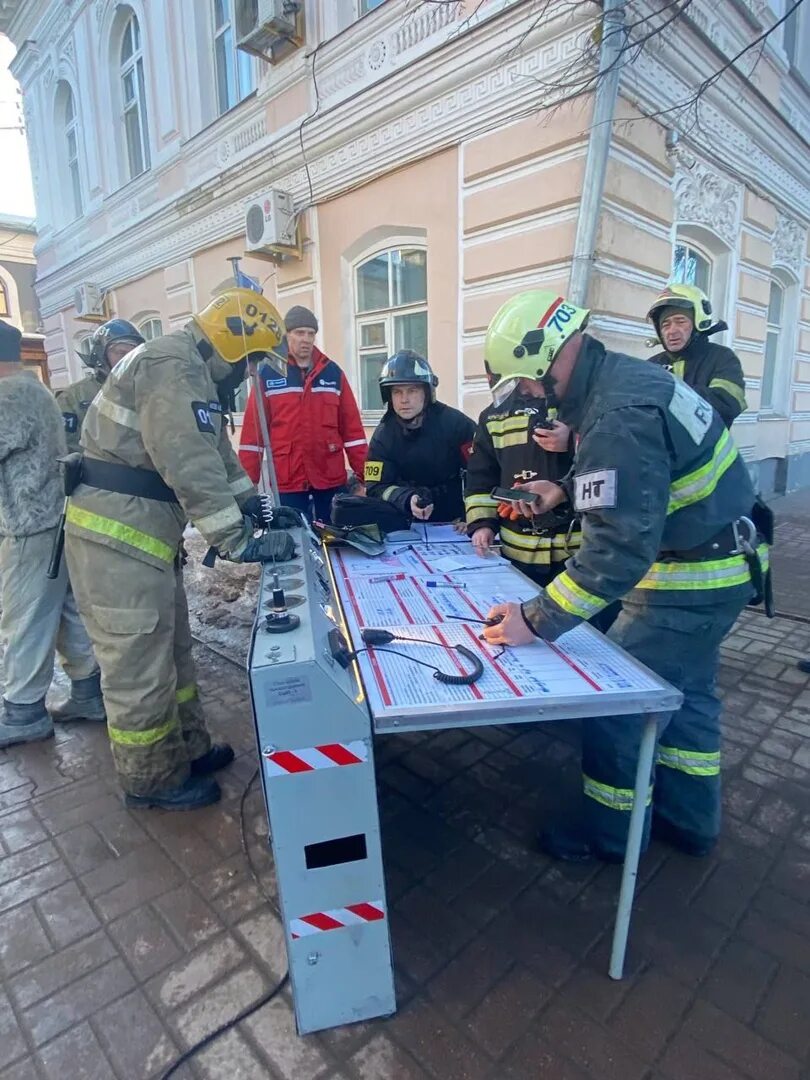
[(403, 460), (74, 401), (656, 476), (31, 439), (312, 419), (158, 411), (504, 453), (713, 371)]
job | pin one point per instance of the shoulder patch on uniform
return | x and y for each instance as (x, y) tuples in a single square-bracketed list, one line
[(202, 414), (595, 490), (373, 470), (691, 411), (71, 422), (270, 384)]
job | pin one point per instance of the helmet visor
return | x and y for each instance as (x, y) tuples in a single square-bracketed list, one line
[(504, 388)]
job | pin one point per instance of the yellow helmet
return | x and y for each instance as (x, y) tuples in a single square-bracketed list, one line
[(239, 322), (524, 337), (688, 298)]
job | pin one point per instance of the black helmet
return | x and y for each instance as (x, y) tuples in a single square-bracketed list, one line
[(406, 366), (107, 333)]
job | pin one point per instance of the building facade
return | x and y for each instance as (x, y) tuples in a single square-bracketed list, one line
[(18, 298), (437, 166)]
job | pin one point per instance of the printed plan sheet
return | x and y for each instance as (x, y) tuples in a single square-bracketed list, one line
[(438, 594)]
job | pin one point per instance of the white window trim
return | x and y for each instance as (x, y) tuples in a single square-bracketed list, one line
[(780, 406), (371, 417), (136, 65), (722, 269), (65, 94), (230, 24)]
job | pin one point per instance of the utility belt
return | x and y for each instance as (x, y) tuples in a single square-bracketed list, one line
[(740, 537), (122, 479)]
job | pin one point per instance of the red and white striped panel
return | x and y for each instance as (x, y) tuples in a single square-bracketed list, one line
[(353, 915), (310, 758)]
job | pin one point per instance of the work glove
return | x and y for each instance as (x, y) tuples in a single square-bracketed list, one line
[(270, 547), (284, 517), (508, 512), (254, 509)]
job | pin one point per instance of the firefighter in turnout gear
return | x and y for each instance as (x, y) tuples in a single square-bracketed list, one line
[(517, 440), (664, 499), (156, 455), (682, 319), (110, 343), (419, 450)]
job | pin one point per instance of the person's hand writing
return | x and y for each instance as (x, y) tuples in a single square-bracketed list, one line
[(512, 628), (543, 496), (421, 513), (555, 440), (482, 540)]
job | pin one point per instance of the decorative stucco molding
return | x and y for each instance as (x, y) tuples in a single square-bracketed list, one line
[(788, 244), (704, 197)]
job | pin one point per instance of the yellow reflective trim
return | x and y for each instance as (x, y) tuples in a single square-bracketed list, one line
[(509, 423), (480, 500), (691, 762), (571, 597), (679, 369), (480, 512), (115, 530), (614, 798), (699, 484), (241, 485), (147, 737), (730, 388), (390, 492), (219, 519), (186, 693), (711, 574), (517, 439), (120, 415)]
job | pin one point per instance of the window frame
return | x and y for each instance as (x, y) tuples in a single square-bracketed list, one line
[(785, 353), (148, 321), (722, 268), (69, 125), (5, 301), (134, 67), (387, 315), (242, 62)]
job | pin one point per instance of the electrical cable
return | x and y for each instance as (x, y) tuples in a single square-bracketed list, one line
[(274, 991)]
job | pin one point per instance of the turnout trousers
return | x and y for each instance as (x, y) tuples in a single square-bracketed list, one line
[(39, 619), (682, 645), (137, 617)]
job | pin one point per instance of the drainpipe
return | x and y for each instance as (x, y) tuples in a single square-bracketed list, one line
[(593, 184)]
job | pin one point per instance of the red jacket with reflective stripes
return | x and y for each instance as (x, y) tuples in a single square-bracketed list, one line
[(312, 418)]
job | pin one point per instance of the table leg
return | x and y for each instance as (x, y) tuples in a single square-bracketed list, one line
[(633, 852)]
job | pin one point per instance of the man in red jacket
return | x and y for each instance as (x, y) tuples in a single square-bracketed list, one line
[(312, 418)]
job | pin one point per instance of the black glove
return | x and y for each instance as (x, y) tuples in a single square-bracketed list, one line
[(284, 517), (254, 509), (270, 547)]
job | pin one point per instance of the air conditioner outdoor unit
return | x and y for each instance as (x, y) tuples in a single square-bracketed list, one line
[(89, 301), (264, 25), (270, 222)]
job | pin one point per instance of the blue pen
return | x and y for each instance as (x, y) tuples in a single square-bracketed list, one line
[(443, 585)]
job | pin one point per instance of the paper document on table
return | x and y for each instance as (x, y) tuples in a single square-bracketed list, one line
[(577, 665), (418, 560)]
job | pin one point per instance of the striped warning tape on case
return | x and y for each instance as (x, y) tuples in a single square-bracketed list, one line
[(353, 915), (329, 756)]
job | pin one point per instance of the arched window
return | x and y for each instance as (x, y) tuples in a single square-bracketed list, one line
[(691, 266), (151, 328), (5, 308), (390, 313), (235, 69), (133, 96), (780, 342), (68, 121)]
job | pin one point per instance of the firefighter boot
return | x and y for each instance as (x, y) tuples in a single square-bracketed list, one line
[(85, 701), (216, 758), (197, 791), (571, 844), (24, 723)]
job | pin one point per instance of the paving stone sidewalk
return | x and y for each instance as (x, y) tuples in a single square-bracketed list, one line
[(124, 937)]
